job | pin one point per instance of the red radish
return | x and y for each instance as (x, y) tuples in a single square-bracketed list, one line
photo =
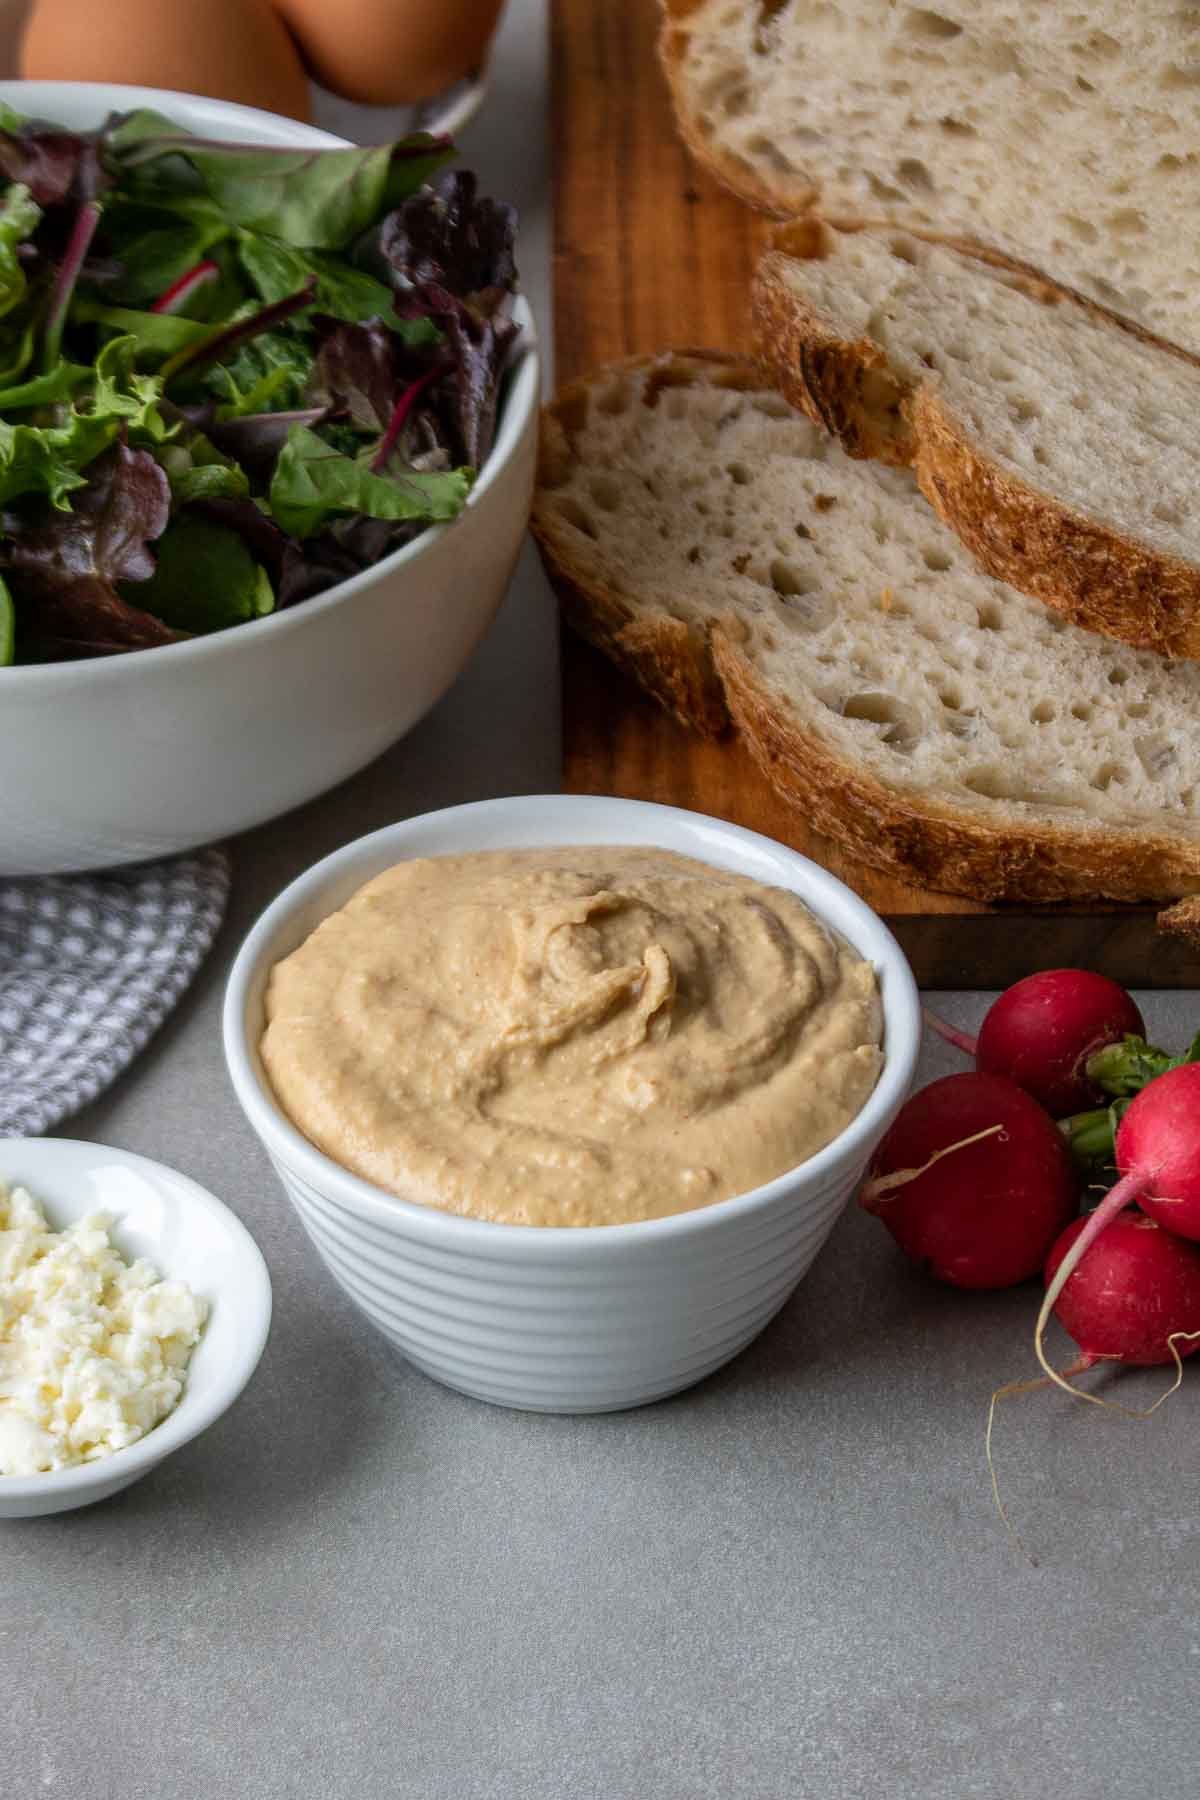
[(974, 1180), (1041, 1032), (188, 284), (1136, 1288), (1158, 1152)]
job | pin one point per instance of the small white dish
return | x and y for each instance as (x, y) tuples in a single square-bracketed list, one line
[(187, 1234), (548, 1319)]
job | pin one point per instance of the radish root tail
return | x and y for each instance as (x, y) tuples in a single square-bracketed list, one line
[(1126, 1191), (1007, 1392), (881, 1186), (962, 1040)]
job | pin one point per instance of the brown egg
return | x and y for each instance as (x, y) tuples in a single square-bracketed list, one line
[(389, 52), (379, 52), (231, 49)]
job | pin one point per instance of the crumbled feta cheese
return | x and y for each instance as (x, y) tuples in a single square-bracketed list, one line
[(93, 1350)]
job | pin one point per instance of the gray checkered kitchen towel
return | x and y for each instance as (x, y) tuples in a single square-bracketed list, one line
[(90, 966)]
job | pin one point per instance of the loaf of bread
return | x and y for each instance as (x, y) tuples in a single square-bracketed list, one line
[(1061, 132), (1058, 441), (937, 723)]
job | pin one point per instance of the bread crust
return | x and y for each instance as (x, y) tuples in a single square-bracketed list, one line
[(668, 658), (1090, 573), (912, 834), (707, 683), (1182, 920), (790, 196)]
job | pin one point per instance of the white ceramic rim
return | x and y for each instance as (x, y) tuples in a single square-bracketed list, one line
[(815, 885), (192, 1413), (522, 375)]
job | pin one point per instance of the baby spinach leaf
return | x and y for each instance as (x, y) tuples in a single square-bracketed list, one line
[(312, 198), (125, 131), (313, 483), (204, 580), (154, 247), (260, 534), (274, 269)]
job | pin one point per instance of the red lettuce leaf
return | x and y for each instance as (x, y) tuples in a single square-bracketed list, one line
[(449, 234), (64, 566), (55, 165), (344, 548), (475, 346), (255, 439), (357, 371)]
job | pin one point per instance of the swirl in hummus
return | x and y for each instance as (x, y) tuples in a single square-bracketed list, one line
[(571, 1036)]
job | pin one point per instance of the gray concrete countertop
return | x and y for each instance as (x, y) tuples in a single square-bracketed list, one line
[(788, 1584)]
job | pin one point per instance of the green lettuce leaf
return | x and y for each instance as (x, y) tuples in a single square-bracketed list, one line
[(313, 483), (268, 374), (19, 215), (17, 339), (205, 579), (47, 459), (316, 199), (8, 627), (197, 470), (122, 393), (63, 380)]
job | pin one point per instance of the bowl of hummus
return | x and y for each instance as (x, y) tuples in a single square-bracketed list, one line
[(569, 1092)]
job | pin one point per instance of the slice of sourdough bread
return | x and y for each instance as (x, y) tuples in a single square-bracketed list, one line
[(732, 557), (1063, 132), (1061, 444)]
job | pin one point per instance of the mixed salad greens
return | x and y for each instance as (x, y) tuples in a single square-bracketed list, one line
[(230, 376)]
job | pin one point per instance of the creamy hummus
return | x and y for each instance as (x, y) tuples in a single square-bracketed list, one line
[(571, 1036)]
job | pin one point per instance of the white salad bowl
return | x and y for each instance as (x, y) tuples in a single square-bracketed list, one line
[(189, 1236), (566, 1319), (126, 757)]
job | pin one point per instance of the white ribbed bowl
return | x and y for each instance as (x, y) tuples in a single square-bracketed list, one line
[(566, 1319)]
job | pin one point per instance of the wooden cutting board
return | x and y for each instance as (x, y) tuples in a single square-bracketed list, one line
[(650, 254)]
